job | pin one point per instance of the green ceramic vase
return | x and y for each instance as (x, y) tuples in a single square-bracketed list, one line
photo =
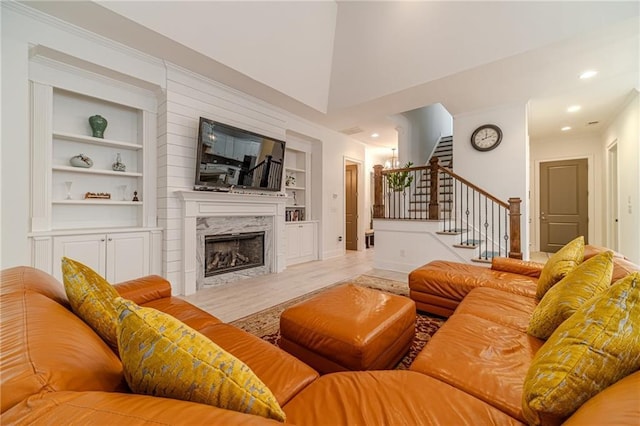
[(98, 124)]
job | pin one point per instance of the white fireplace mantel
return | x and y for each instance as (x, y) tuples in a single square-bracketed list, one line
[(228, 204)]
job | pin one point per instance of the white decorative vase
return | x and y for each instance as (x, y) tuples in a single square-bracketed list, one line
[(81, 160)]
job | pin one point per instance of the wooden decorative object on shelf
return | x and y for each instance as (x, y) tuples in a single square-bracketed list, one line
[(101, 195)]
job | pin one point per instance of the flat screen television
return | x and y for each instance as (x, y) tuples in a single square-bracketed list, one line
[(230, 157)]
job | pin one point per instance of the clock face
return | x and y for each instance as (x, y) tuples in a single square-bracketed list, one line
[(486, 137)]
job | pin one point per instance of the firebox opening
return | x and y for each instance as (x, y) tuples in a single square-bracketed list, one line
[(233, 252)]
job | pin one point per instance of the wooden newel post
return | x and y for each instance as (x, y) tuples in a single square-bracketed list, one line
[(434, 206), (378, 205), (515, 250)]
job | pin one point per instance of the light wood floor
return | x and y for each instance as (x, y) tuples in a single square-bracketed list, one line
[(245, 297)]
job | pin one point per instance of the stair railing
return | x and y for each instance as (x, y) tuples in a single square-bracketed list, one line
[(434, 192)]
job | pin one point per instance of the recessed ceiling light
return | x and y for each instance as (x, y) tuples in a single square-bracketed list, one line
[(374, 135), (566, 128), (588, 74), (574, 108)]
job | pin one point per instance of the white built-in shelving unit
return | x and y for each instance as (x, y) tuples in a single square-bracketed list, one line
[(116, 236), (301, 228), (297, 180)]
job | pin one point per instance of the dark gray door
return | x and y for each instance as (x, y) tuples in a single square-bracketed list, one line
[(563, 203)]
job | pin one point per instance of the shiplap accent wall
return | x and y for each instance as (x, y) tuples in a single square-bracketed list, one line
[(187, 98)]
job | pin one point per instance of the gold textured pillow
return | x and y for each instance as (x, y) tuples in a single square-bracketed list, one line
[(597, 346), (559, 265), (164, 357), (588, 279), (92, 298)]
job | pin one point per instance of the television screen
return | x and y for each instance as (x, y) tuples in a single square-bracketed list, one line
[(232, 157)]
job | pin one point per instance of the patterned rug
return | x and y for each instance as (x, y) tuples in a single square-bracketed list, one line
[(266, 324)]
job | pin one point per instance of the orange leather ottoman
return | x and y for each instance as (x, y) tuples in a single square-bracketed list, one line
[(349, 328)]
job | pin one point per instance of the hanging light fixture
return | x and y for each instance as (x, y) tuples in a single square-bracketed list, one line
[(393, 162)]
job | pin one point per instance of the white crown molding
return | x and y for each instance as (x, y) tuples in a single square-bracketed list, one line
[(142, 95), (77, 31), (56, 60)]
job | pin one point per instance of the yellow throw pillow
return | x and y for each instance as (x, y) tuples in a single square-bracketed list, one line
[(597, 346), (164, 357), (590, 278), (92, 298), (559, 265)]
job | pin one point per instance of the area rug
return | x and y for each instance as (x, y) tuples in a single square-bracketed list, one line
[(266, 324)]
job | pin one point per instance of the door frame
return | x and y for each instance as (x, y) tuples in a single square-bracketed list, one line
[(612, 184), (535, 196), (360, 224)]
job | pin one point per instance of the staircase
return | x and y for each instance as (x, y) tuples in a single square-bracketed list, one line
[(470, 248), (471, 242), (444, 151), (417, 205), (441, 214)]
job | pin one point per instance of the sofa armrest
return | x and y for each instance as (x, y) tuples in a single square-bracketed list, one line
[(517, 266), (144, 289), (590, 250)]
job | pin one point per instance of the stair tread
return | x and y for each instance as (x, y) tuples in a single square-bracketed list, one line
[(465, 246)]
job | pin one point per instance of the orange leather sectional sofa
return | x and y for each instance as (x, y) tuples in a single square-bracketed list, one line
[(55, 370)]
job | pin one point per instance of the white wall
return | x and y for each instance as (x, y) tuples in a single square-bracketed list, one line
[(565, 147), (185, 98), (502, 172), (253, 38), (625, 131), (428, 124)]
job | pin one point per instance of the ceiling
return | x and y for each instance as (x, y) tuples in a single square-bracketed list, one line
[(352, 65)]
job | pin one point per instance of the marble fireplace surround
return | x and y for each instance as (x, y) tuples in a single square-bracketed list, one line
[(229, 205)]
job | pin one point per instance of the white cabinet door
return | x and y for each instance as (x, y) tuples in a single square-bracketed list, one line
[(87, 249), (293, 241), (128, 256), (117, 257), (307, 240), (301, 242)]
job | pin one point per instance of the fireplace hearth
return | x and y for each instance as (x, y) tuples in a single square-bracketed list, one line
[(233, 252)]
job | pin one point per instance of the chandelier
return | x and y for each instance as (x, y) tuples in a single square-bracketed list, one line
[(393, 162)]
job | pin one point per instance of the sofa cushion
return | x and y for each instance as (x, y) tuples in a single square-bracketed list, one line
[(281, 372), (597, 346), (389, 398), (113, 408), (23, 278), (499, 306), (482, 358), (453, 280), (91, 298), (619, 404), (560, 264), (588, 279), (164, 357), (46, 348)]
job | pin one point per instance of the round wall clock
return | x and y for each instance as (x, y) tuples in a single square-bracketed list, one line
[(486, 137)]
